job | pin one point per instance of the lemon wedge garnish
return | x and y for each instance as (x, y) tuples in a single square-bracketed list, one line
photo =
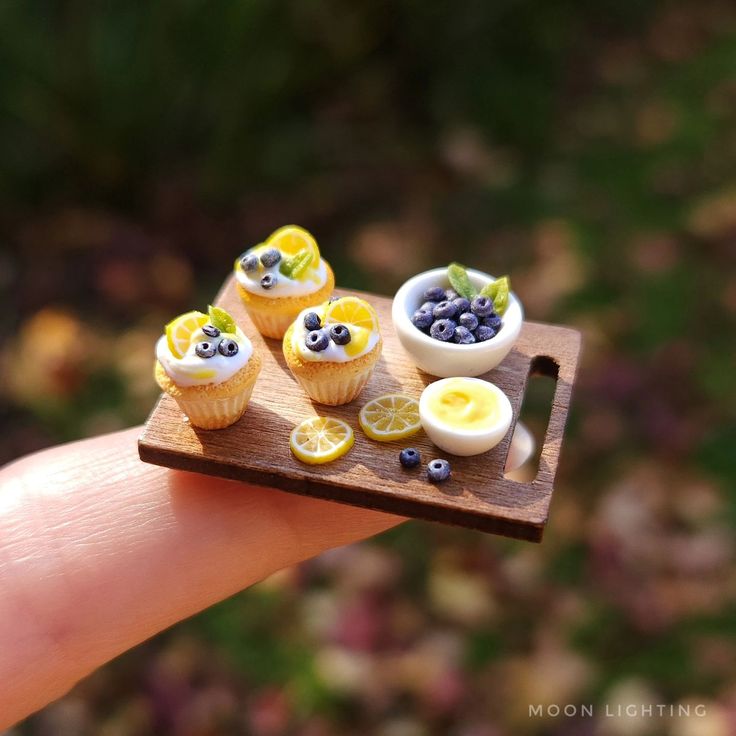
[(291, 239), (180, 330), (390, 417), (320, 440), (352, 311), (359, 337)]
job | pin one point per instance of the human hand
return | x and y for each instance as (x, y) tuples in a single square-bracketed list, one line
[(99, 551)]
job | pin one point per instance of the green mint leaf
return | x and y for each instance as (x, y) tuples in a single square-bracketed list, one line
[(221, 319), (498, 290), (459, 281), (295, 266)]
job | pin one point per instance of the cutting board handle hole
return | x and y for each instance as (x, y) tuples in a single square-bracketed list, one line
[(536, 407)]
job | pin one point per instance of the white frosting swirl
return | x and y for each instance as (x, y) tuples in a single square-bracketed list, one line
[(191, 370), (314, 279), (333, 353)]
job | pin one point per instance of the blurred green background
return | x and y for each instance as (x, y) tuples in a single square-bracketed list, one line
[(587, 149)]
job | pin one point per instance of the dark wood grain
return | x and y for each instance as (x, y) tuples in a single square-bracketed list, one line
[(256, 448)]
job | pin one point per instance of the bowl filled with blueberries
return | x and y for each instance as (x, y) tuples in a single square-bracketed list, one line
[(455, 321)]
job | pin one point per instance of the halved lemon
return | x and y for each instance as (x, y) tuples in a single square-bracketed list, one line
[(390, 417), (291, 239), (180, 330), (320, 440)]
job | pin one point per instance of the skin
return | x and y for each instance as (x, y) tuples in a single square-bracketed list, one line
[(99, 551)]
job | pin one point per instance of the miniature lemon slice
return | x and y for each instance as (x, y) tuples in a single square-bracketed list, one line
[(390, 417), (320, 440), (180, 330), (291, 240), (353, 311)]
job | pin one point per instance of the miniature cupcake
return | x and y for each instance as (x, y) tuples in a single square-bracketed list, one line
[(281, 277), (332, 349), (208, 365)]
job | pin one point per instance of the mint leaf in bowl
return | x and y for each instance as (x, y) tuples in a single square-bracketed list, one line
[(459, 281), (498, 290)]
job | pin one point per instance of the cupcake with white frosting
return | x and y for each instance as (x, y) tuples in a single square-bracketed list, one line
[(280, 277), (208, 365), (333, 348)]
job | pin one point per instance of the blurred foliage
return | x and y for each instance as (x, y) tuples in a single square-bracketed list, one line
[(589, 150)]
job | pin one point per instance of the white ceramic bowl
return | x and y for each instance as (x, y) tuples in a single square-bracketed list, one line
[(446, 359), (464, 441)]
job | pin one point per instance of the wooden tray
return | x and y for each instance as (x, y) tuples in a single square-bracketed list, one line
[(256, 448)]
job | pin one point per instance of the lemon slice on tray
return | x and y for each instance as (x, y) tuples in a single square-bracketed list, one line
[(320, 440), (390, 417), (180, 330)]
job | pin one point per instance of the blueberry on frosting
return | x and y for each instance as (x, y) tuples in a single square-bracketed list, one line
[(249, 262), (312, 321), (227, 347), (317, 340), (270, 257), (340, 334), (205, 349), (268, 281), (211, 331)]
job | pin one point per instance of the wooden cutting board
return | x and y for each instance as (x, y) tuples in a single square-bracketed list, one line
[(256, 448)]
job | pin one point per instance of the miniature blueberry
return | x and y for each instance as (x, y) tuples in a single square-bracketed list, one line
[(205, 349), (442, 329), (270, 257), (268, 281), (249, 262), (228, 347), (422, 319), (428, 306), (468, 320), (317, 340), (463, 336), (312, 321), (451, 295), (410, 457), (211, 331), (484, 333), (434, 294), (482, 306), (494, 322), (444, 310), (461, 304), (438, 470), (340, 334)]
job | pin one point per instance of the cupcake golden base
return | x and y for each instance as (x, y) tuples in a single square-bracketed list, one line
[(331, 383), (214, 405), (272, 317)]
